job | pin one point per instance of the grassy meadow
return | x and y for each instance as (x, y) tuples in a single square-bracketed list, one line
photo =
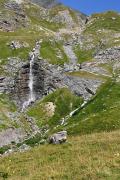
[(94, 157)]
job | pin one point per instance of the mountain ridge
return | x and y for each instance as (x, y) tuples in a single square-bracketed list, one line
[(46, 3)]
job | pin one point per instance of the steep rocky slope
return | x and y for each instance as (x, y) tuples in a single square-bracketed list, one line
[(46, 3), (75, 71)]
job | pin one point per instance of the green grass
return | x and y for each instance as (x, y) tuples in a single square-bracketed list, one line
[(33, 141), (4, 149), (22, 53), (105, 21), (6, 106), (58, 8), (50, 51), (33, 13), (64, 102), (100, 32), (6, 51), (85, 157), (88, 75), (100, 114), (84, 55)]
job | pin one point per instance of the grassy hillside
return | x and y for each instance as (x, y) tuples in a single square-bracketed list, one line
[(100, 114), (84, 55), (63, 101), (101, 32), (92, 150), (85, 157), (33, 12), (53, 52), (109, 20)]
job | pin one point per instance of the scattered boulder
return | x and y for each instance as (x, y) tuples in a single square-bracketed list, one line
[(58, 138)]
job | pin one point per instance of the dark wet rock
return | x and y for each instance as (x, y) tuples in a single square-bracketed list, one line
[(2, 84), (21, 87)]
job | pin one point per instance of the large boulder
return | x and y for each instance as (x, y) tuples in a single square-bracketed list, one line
[(58, 138)]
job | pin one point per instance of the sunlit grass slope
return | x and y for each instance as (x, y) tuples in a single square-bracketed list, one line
[(85, 157)]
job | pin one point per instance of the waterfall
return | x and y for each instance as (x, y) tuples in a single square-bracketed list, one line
[(31, 81), (31, 96)]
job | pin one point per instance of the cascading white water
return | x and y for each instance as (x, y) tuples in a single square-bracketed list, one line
[(31, 81), (31, 97)]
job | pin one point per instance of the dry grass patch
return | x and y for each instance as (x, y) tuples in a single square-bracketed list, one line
[(88, 75), (82, 157)]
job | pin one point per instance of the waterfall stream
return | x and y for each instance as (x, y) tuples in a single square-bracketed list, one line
[(31, 96)]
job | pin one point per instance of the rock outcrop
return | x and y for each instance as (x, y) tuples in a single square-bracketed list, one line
[(21, 86), (11, 135), (14, 20), (108, 55), (48, 78), (58, 138)]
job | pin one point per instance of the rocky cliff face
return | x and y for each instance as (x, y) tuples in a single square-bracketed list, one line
[(12, 16), (21, 88), (21, 15), (31, 71)]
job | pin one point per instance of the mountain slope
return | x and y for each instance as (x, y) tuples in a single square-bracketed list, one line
[(75, 71), (46, 3), (84, 157)]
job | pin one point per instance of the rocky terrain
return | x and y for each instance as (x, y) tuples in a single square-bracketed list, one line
[(59, 71)]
